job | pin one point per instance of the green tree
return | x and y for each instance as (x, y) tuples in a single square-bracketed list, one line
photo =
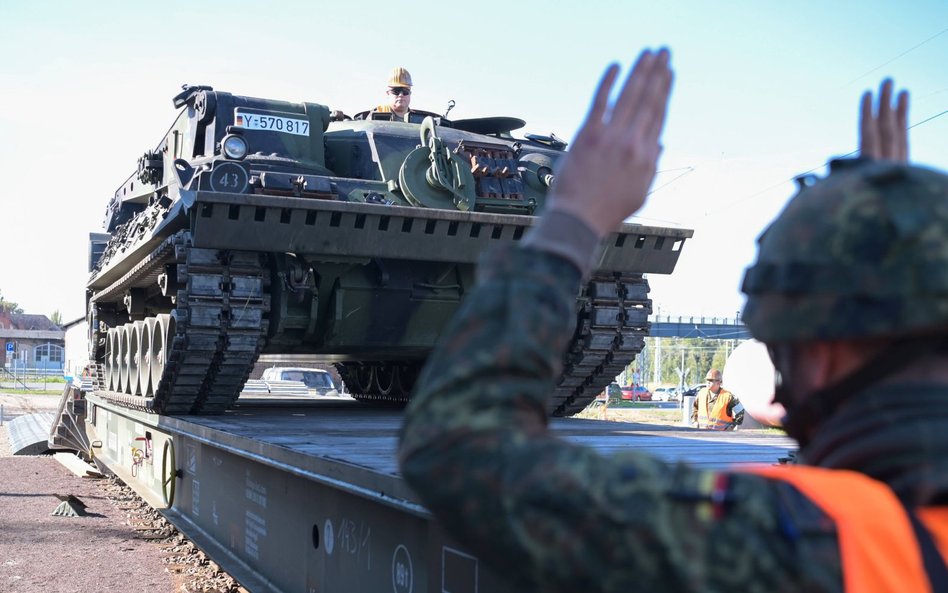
[(691, 356), (9, 306), (56, 317)]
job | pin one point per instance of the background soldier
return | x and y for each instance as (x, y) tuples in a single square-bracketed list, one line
[(850, 291), (716, 408)]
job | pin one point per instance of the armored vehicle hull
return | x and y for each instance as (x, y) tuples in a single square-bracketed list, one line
[(355, 242)]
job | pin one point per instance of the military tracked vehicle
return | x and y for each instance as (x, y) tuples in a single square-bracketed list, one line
[(261, 226)]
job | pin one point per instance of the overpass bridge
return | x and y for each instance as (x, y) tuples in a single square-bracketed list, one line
[(682, 326)]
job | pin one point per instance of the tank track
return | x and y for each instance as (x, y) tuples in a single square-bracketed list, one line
[(610, 331), (380, 383), (612, 323), (218, 327), (218, 335), (98, 376)]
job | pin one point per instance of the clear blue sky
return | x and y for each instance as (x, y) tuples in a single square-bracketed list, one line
[(764, 90)]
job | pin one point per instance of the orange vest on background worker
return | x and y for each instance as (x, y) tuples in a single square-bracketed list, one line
[(388, 109), (880, 550), (718, 417)]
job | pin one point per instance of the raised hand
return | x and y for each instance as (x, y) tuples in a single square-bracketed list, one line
[(883, 133), (607, 173)]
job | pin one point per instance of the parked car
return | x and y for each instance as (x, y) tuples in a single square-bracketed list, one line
[(637, 393), (613, 392), (316, 380), (694, 389), (665, 394)]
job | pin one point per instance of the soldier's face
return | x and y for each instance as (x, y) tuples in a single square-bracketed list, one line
[(794, 384), (714, 385), (401, 98)]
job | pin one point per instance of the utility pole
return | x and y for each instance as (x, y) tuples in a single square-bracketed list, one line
[(682, 371), (657, 372), (681, 368)]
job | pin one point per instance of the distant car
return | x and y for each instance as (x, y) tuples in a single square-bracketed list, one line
[(694, 389), (316, 380), (665, 394), (613, 392), (636, 394)]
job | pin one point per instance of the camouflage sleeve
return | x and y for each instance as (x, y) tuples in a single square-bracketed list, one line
[(559, 517)]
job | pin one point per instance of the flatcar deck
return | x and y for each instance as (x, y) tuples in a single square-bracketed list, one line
[(296, 495), (367, 437)]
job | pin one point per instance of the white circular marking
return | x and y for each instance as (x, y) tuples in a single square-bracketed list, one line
[(402, 576), (328, 541)]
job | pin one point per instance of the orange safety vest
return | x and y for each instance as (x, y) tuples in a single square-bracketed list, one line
[(388, 109), (877, 544), (718, 418)]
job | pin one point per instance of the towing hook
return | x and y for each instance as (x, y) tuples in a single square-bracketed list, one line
[(183, 171)]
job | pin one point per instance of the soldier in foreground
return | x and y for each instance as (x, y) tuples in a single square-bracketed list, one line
[(850, 293)]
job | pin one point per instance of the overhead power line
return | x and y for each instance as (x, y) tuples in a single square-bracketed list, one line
[(936, 116), (883, 65), (816, 168), (686, 170)]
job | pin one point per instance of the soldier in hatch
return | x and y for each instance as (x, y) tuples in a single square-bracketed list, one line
[(399, 92), (850, 293)]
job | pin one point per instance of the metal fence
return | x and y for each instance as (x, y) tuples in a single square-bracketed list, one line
[(30, 378)]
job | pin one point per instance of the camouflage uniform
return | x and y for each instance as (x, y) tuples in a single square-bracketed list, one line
[(559, 517)]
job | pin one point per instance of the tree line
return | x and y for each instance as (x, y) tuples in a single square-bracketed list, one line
[(681, 361), (9, 306), (15, 309)]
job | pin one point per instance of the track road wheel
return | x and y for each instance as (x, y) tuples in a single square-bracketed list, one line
[(122, 360), (405, 376), (365, 378), (160, 347), (111, 359), (134, 356), (386, 377), (146, 345)]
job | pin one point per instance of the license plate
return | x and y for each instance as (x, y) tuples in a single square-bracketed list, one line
[(271, 123)]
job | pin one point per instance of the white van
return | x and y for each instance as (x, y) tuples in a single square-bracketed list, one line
[(316, 380)]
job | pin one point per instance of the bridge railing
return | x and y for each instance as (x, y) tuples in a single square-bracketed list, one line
[(695, 319)]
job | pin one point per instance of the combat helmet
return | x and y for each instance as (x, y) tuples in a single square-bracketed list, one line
[(862, 253), (399, 78)]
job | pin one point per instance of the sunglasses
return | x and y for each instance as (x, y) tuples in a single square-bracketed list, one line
[(714, 380), (399, 91)]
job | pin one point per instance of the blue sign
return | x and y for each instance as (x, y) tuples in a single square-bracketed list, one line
[(11, 347)]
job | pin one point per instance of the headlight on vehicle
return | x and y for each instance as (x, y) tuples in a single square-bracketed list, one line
[(234, 147)]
